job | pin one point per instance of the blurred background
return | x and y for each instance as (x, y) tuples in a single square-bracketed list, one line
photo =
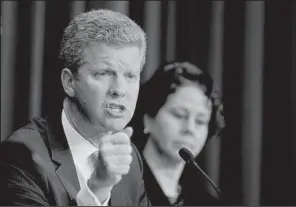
[(248, 47)]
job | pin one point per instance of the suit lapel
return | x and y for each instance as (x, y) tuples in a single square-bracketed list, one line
[(67, 173), (117, 196), (62, 157), (65, 168)]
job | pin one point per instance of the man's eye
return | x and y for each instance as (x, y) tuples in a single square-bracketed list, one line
[(102, 73), (131, 76)]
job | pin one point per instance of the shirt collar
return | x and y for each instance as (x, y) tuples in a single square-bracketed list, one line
[(80, 148)]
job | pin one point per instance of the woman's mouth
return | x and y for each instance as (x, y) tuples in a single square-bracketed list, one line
[(187, 145)]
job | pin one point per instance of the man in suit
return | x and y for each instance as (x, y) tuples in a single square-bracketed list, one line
[(82, 155)]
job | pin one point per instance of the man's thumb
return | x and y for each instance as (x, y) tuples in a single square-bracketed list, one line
[(128, 130)]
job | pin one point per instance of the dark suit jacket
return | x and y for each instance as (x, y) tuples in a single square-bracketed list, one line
[(37, 168)]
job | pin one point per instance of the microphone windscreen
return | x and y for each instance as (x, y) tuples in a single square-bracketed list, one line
[(185, 154)]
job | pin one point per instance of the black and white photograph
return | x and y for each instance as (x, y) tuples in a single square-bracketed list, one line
[(148, 103)]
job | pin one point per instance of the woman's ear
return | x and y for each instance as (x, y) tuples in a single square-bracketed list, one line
[(147, 121), (68, 82)]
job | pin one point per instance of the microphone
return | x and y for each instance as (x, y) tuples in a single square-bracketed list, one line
[(187, 156)]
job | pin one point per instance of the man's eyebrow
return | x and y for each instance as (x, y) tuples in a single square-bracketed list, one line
[(126, 66), (99, 64)]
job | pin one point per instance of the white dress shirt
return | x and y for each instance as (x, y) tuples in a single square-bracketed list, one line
[(81, 149)]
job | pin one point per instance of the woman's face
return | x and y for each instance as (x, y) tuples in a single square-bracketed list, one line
[(181, 122)]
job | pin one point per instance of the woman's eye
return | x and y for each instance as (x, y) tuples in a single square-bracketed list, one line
[(201, 122), (179, 115)]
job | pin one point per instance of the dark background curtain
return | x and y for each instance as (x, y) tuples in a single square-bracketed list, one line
[(248, 47)]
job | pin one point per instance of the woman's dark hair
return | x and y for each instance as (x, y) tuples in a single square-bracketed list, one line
[(168, 77)]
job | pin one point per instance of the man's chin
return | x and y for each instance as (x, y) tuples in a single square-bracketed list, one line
[(115, 126)]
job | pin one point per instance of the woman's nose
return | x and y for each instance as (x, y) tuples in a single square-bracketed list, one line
[(189, 126)]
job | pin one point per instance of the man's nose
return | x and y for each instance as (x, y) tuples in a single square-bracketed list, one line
[(118, 87)]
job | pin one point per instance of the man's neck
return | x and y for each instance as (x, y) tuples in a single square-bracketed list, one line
[(81, 123)]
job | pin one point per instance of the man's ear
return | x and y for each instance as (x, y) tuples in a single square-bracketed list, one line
[(68, 82)]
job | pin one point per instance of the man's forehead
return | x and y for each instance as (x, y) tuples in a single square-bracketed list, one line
[(105, 62), (102, 55)]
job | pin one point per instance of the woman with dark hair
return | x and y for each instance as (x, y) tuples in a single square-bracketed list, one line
[(176, 108)]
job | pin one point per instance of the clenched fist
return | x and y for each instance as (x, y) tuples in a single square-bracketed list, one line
[(113, 160)]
